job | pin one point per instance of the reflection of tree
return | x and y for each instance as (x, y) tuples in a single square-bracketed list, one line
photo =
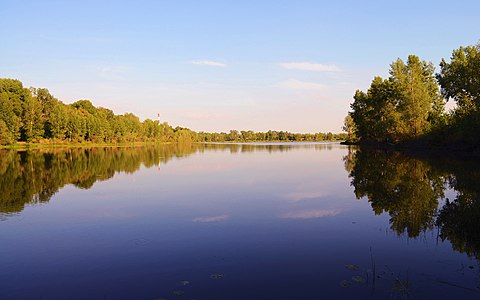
[(458, 219), (409, 188), (35, 176), (405, 188), (262, 147), (458, 222)]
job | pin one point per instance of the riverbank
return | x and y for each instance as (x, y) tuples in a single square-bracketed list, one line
[(29, 146), (53, 145)]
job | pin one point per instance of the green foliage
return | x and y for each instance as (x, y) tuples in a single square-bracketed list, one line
[(402, 107), (6, 137), (375, 112), (34, 115), (32, 120), (417, 94), (12, 95), (460, 79), (408, 106), (350, 128)]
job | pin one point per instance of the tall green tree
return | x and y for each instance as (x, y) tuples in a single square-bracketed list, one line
[(350, 128), (32, 120), (418, 94), (375, 113), (460, 78), (402, 107), (12, 95)]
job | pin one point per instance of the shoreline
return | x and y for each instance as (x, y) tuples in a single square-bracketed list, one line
[(423, 149), (32, 146)]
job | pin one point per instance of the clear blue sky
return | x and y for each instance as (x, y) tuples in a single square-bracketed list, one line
[(220, 65)]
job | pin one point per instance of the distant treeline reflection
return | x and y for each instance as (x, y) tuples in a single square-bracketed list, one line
[(28, 177), (410, 190)]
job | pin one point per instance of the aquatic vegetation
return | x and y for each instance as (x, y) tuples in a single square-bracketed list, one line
[(359, 279), (352, 267), (178, 293), (345, 283)]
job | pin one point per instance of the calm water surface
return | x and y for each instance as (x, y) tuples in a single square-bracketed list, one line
[(289, 221)]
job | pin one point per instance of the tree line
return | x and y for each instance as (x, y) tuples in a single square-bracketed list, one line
[(409, 105), (33, 115)]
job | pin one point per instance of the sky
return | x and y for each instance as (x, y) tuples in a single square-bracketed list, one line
[(221, 65)]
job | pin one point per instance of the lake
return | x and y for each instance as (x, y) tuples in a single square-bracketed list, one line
[(238, 221)]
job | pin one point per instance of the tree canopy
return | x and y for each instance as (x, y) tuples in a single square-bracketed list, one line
[(410, 104), (403, 106)]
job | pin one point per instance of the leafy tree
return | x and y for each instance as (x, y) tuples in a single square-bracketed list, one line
[(402, 107), (12, 95), (375, 113), (350, 128), (6, 137), (418, 94), (58, 121), (33, 123), (460, 78), (36, 115)]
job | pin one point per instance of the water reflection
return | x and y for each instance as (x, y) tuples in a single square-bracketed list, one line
[(29, 177), (411, 190), (35, 176)]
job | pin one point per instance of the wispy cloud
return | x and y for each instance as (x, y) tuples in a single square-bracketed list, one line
[(210, 63), (211, 219), (310, 214), (308, 66), (299, 196), (112, 72), (296, 84)]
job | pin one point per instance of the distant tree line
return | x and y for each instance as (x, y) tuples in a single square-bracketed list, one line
[(282, 136), (35, 116), (409, 105)]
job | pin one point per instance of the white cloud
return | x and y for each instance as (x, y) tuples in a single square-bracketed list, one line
[(308, 66), (112, 72), (296, 84), (210, 63), (299, 196), (310, 214), (211, 219)]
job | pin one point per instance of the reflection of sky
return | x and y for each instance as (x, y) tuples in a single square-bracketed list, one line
[(211, 219), (245, 185), (283, 224), (310, 214)]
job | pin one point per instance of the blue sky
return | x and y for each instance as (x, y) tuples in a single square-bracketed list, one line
[(221, 65)]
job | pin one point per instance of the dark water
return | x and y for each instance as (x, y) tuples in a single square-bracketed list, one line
[(291, 221)]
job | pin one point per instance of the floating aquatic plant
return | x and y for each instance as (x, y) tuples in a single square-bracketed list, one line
[(345, 283), (178, 293), (352, 267), (358, 279)]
